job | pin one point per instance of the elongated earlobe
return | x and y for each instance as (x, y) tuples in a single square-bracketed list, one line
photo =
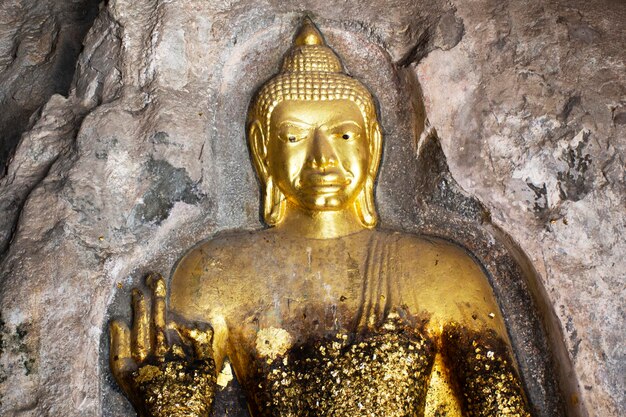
[(274, 202), (365, 204)]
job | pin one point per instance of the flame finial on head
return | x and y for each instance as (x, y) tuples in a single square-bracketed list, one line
[(308, 34)]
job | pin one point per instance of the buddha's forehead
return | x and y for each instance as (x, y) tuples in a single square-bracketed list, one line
[(317, 111)]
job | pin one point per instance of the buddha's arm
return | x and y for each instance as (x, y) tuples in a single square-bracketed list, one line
[(474, 347), (196, 295), (485, 372), (212, 285), (474, 342), (171, 376)]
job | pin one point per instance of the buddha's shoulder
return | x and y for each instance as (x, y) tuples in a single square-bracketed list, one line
[(447, 279), (426, 250), (214, 271), (426, 257), (225, 258), (225, 248)]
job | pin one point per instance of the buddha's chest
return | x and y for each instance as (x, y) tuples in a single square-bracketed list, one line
[(315, 338), (306, 287), (307, 292), (311, 292)]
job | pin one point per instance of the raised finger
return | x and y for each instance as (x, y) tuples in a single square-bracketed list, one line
[(119, 350), (159, 291), (140, 334)]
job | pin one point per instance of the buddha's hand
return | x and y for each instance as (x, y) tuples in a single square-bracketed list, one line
[(161, 378)]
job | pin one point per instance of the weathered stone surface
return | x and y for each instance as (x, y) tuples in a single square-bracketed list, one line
[(39, 44), (528, 107), (147, 156)]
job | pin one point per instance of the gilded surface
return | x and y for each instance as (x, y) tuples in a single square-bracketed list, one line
[(176, 387), (321, 314), (160, 378), (381, 374), (483, 367)]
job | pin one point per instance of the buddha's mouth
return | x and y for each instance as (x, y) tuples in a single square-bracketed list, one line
[(324, 182)]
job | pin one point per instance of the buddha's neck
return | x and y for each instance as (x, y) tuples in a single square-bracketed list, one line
[(319, 224)]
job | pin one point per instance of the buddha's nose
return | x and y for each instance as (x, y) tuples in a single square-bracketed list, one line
[(321, 153)]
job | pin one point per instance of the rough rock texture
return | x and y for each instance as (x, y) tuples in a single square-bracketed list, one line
[(146, 156), (533, 122), (39, 44)]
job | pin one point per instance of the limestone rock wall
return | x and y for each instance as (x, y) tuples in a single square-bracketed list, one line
[(146, 156), (531, 109), (39, 44)]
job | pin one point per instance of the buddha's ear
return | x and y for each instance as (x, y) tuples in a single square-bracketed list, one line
[(365, 204), (258, 149), (376, 148), (274, 202)]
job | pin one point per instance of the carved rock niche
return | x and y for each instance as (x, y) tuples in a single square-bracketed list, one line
[(501, 126)]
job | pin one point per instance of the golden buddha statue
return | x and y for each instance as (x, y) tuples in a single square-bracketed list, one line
[(321, 313)]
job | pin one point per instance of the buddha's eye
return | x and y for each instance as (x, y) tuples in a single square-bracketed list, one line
[(346, 130), (292, 132), (349, 135), (292, 137)]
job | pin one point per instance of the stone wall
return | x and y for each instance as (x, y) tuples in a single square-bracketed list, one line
[(504, 129), (39, 44), (531, 110)]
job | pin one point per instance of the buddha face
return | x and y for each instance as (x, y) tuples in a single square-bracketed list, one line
[(318, 152)]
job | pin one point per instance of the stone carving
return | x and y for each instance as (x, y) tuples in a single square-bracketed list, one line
[(322, 314)]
